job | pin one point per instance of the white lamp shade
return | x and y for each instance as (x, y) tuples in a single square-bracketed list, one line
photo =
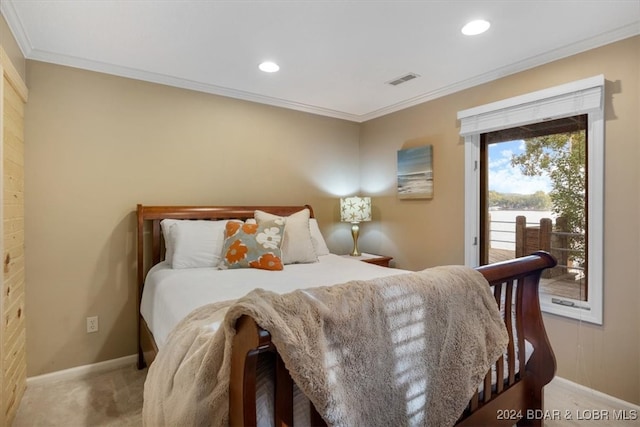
[(355, 209)]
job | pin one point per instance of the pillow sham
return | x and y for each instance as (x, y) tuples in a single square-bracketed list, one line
[(249, 245), (165, 226), (319, 245), (196, 244), (297, 246)]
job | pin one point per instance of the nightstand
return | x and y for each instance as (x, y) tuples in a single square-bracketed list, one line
[(372, 259)]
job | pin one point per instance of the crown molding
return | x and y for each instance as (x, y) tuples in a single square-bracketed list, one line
[(8, 10), (163, 79), (15, 25), (534, 61)]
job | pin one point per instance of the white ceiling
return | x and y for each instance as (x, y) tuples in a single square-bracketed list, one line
[(335, 56)]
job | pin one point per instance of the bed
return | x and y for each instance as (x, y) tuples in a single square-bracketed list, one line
[(511, 391)]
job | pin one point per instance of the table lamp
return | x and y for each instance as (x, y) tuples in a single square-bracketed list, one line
[(355, 210)]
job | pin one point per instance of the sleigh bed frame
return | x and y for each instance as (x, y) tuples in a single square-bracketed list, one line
[(512, 397)]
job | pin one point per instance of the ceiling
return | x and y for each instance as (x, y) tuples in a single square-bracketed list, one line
[(336, 57)]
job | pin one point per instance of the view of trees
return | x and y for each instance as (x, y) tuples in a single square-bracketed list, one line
[(563, 158), (539, 201)]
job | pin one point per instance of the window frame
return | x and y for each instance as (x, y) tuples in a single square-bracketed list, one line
[(579, 97)]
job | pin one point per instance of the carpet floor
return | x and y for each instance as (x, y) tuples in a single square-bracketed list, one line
[(114, 399)]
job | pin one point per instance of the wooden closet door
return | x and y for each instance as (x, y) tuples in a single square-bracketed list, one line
[(12, 328)]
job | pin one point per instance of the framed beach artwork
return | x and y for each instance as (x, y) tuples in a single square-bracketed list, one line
[(415, 173)]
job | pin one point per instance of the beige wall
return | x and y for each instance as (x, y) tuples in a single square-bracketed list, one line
[(96, 145), (426, 233)]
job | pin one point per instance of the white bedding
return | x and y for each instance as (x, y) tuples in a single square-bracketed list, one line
[(170, 295)]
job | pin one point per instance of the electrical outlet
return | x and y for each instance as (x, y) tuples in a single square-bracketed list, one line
[(92, 324)]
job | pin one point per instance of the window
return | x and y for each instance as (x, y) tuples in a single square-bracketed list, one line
[(533, 197), (555, 140)]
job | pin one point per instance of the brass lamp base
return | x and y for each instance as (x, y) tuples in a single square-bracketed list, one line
[(355, 231)]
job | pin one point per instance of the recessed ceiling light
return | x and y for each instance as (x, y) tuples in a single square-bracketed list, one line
[(476, 27), (269, 67)]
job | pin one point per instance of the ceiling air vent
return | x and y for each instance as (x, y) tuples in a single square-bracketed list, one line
[(402, 79)]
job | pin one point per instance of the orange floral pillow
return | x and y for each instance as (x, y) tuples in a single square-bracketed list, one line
[(253, 245)]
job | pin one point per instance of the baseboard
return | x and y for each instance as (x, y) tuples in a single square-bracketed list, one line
[(614, 401), (84, 371)]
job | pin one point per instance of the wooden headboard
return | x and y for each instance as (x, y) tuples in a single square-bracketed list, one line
[(151, 247), (155, 214)]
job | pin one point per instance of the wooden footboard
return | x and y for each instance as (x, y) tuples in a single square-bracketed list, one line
[(511, 396)]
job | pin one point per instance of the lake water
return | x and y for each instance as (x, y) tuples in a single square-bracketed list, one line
[(503, 226)]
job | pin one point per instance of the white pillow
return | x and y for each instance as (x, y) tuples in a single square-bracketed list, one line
[(195, 244), (319, 245), (297, 246), (165, 225)]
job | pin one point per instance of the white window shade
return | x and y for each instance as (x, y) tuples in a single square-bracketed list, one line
[(579, 97)]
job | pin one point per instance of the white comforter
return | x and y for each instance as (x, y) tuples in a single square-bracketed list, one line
[(170, 295)]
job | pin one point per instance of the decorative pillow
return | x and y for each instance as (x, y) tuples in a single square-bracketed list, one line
[(297, 246), (253, 245), (194, 244), (319, 245)]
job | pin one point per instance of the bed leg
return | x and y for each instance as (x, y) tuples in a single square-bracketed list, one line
[(530, 423), (141, 363), (535, 407)]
